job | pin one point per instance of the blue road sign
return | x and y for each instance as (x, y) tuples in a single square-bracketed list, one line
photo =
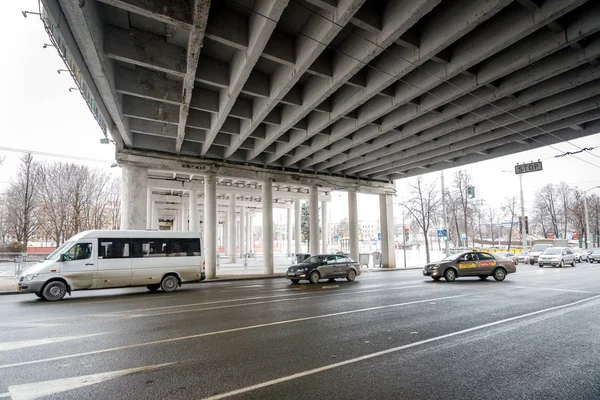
[(378, 235)]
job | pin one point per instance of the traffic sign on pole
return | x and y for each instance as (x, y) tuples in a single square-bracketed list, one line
[(529, 167)]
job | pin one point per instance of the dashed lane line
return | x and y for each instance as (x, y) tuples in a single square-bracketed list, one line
[(5, 346), (226, 331)]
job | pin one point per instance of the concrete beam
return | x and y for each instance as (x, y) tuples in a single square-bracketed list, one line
[(176, 13), (260, 29), (356, 52), (439, 33), (321, 31), (504, 29), (194, 45), (148, 84)]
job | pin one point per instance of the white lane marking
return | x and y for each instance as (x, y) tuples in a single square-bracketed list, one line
[(555, 289), (244, 328), (389, 351), (31, 391), (75, 302), (31, 324), (330, 287), (246, 286), (30, 343)]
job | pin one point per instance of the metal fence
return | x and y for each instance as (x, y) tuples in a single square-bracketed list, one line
[(15, 263)]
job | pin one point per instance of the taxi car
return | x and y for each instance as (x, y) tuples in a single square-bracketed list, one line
[(324, 266), (470, 263)]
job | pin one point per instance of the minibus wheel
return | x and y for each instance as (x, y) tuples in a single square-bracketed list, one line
[(54, 291), (169, 283)]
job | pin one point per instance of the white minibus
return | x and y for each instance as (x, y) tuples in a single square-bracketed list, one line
[(113, 259)]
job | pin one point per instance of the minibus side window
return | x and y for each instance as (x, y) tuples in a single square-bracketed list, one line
[(149, 247), (184, 247), (80, 251), (114, 248)]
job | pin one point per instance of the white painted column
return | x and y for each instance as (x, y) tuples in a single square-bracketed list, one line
[(134, 192), (324, 226), (155, 216), (179, 221), (353, 222), (386, 218), (250, 235), (231, 229), (290, 217), (210, 225), (226, 232), (184, 215), (313, 219), (267, 203), (149, 206), (193, 211), (243, 231), (297, 226)]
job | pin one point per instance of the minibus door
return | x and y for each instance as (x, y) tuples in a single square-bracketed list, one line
[(114, 262), (78, 265)]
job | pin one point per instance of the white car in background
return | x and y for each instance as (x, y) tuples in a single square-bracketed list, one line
[(509, 255), (580, 254), (523, 257)]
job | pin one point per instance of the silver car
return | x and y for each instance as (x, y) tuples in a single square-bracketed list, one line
[(580, 254), (557, 257), (523, 257), (509, 255)]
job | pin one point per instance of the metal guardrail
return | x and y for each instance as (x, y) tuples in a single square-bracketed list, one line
[(20, 260)]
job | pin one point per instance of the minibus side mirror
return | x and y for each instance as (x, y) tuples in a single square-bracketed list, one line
[(61, 258)]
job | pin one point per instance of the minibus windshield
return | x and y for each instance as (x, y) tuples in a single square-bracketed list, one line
[(54, 255)]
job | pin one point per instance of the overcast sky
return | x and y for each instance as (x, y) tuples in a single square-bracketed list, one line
[(39, 114)]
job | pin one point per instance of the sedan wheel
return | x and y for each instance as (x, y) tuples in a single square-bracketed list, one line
[(580, 259), (351, 275), (314, 277), (573, 263), (450, 275), (499, 274), (562, 264)]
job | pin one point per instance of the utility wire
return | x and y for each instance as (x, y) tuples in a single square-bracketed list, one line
[(419, 88), (47, 154)]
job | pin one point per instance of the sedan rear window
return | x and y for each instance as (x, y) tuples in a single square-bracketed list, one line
[(553, 251)]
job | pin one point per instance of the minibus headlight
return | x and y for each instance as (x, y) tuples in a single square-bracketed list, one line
[(31, 277)]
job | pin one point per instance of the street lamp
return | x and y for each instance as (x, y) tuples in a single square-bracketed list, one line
[(587, 222), (523, 230)]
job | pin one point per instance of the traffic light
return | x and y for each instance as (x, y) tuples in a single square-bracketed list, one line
[(527, 225), (406, 234), (470, 192), (520, 224), (445, 234)]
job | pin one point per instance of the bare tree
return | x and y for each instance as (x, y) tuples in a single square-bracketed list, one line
[(577, 215), (546, 204), (510, 211), (3, 218), (462, 180), (423, 206), (21, 200)]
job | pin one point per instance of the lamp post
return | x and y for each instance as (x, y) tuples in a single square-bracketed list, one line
[(587, 222), (445, 219), (523, 230)]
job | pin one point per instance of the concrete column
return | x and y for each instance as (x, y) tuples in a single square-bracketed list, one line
[(184, 215), (324, 226), (313, 219), (148, 206), (386, 218), (243, 231), (250, 235), (353, 222), (134, 192), (297, 226), (155, 216), (210, 225), (290, 217), (193, 211), (226, 232), (231, 229), (179, 221), (267, 203)]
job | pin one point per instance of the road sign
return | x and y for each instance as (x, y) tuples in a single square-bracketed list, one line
[(530, 167), (378, 235), (336, 238), (440, 233), (463, 237)]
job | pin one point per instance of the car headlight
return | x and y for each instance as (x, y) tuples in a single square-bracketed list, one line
[(435, 267), (31, 277), (301, 269)]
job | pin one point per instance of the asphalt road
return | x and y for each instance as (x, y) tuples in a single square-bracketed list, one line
[(388, 335)]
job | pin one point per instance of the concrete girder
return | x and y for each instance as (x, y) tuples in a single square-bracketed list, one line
[(186, 165), (400, 17), (194, 45), (414, 121), (548, 121), (511, 148), (321, 32), (148, 84), (260, 29), (89, 42), (167, 11), (504, 30), (236, 190), (562, 83), (164, 202)]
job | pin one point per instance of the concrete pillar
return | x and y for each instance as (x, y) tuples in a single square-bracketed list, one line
[(193, 211), (250, 234), (386, 218), (148, 206), (155, 216), (179, 221), (231, 229), (243, 231), (324, 226), (353, 222), (290, 217), (184, 215), (267, 203), (210, 225), (297, 226), (313, 219), (134, 192)]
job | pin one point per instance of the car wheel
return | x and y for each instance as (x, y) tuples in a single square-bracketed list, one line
[(314, 277), (562, 264), (351, 276), (483, 277), (541, 265), (54, 291), (295, 280), (153, 288), (499, 274), (532, 262), (436, 278), (331, 279), (580, 259), (169, 283), (450, 275), (573, 264)]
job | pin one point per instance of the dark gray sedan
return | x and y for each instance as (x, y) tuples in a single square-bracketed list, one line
[(324, 266), (470, 263)]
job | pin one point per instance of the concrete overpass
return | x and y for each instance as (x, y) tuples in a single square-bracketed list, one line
[(325, 94)]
